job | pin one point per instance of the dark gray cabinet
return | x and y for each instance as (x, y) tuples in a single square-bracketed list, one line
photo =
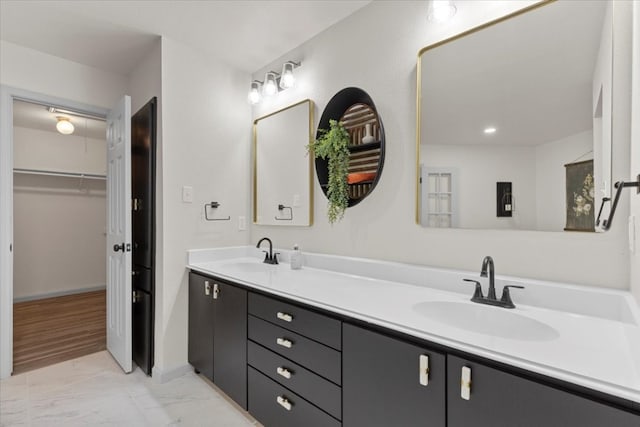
[(500, 399), (381, 382), (201, 315), (218, 334)]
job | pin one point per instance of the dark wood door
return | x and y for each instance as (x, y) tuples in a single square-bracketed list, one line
[(500, 399), (143, 135), (141, 319), (230, 341), (381, 382), (201, 321)]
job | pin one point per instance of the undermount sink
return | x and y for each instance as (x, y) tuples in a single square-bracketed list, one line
[(252, 267), (487, 320)]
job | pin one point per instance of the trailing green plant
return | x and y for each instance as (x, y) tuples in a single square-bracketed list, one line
[(333, 145)]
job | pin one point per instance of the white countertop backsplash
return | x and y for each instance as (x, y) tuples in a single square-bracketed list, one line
[(598, 330)]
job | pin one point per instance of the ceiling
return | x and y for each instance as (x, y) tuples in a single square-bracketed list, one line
[(37, 116), (113, 35), (531, 77)]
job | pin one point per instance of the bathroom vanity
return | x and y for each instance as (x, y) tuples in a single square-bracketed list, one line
[(356, 342)]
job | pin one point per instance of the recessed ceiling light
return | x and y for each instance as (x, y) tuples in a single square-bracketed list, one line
[(490, 129), (441, 10)]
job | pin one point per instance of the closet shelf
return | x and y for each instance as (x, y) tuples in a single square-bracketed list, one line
[(61, 174)]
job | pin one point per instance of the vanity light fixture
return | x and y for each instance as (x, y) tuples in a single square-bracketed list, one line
[(270, 86), (489, 130), (254, 92), (287, 78), (64, 126), (441, 10)]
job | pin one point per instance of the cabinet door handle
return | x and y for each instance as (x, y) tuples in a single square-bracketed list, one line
[(284, 342), (284, 402), (465, 383), (207, 287), (283, 372), (284, 316), (424, 369), (216, 290)]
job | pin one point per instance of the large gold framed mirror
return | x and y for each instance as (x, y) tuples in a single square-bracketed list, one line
[(282, 168), (505, 109)]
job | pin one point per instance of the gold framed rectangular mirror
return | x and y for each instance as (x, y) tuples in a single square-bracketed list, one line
[(282, 169), (504, 107)]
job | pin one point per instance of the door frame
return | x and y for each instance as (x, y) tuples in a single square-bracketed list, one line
[(7, 95)]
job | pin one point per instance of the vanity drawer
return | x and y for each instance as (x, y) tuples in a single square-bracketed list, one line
[(322, 393), (275, 406), (305, 322), (314, 356)]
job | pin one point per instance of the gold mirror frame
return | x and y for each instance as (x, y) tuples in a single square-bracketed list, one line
[(419, 84), (310, 156)]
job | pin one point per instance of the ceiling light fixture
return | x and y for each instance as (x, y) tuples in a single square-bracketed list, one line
[(490, 130), (441, 10), (64, 126), (254, 92), (270, 86), (287, 78)]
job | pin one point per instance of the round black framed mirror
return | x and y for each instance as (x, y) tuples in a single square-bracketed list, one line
[(355, 109)]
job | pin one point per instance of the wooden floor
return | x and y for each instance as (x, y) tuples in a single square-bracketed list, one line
[(52, 330)]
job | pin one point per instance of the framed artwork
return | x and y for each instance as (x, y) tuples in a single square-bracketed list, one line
[(580, 196)]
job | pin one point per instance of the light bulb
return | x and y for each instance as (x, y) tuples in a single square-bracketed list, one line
[(490, 129), (441, 10), (254, 93), (270, 86), (287, 79), (64, 126)]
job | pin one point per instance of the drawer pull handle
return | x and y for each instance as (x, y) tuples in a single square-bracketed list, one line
[(284, 402), (424, 370), (284, 342), (284, 316), (284, 372), (216, 290), (465, 383), (207, 287)]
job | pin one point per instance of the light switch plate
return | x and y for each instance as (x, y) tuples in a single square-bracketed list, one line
[(242, 223), (187, 194)]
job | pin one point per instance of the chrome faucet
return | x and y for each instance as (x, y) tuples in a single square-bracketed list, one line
[(269, 257), (488, 269)]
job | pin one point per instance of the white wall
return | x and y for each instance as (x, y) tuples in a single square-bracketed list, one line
[(39, 72), (59, 223), (206, 126), (59, 241), (478, 170), (551, 177), (635, 151), (38, 149), (383, 226)]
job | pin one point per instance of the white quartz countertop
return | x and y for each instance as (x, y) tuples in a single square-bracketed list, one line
[(597, 349)]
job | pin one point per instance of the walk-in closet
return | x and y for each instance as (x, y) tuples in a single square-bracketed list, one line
[(59, 218)]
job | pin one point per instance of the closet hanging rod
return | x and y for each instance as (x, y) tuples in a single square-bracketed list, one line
[(62, 174)]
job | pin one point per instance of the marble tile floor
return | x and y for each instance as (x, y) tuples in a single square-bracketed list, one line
[(93, 391)]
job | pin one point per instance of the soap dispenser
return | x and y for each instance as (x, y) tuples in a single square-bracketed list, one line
[(296, 258)]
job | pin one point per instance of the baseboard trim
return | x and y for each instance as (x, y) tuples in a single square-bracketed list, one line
[(162, 376), (59, 293)]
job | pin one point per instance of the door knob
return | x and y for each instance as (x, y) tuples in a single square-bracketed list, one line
[(119, 247)]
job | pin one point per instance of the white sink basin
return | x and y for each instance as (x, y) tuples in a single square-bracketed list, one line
[(251, 267), (487, 320)]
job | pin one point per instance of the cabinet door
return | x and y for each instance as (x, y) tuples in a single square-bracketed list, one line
[(230, 342), (499, 399), (200, 351), (381, 382)]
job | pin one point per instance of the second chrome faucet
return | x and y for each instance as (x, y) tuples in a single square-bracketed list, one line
[(488, 270)]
